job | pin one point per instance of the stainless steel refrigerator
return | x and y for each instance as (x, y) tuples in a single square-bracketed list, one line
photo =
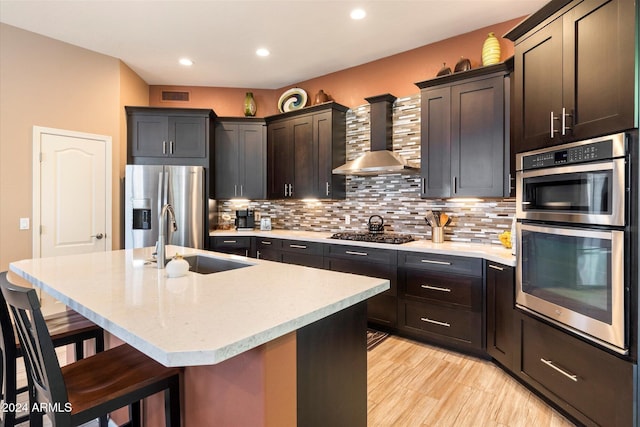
[(148, 188)]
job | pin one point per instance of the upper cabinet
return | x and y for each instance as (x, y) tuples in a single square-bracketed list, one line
[(465, 134), (162, 134), (240, 159), (303, 147), (575, 74)]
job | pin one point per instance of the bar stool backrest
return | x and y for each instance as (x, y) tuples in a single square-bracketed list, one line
[(7, 364), (41, 360)]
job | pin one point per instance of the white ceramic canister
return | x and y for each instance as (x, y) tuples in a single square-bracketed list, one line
[(177, 267)]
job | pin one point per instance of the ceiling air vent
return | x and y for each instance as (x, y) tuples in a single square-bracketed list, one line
[(170, 95)]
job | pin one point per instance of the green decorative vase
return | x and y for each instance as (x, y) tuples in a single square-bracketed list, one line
[(491, 50), (249, 105)]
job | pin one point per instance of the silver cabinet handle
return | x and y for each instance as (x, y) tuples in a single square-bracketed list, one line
[(429, 261), (424, 184), (257, 254), (565, 128), (327, 188), (356, 253), (290, 190), (228, 241), (298, 246), (435, 322), (172, 147), (553, 130), (246, 253), (235, 190), (495, 267), (265, 242), (241, 190), (164, 147), (285, 190), (435, 288), (455, 185), (98, 236), (550, 364)]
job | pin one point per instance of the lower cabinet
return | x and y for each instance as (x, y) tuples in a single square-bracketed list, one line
[(269, 249), (501, 321), (593, 386), (440, 300), (382, 308), (241, 245), (304, 253)]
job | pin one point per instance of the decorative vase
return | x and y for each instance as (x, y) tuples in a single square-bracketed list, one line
[(249, 105), (444, 70), (462, 65), (491, 50), (177, 267), (321, 97)]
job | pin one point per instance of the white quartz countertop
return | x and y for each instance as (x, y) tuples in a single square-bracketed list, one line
[(196, 319), (495, 253)]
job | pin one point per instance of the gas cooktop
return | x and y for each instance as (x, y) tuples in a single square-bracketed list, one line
[(395, 239)]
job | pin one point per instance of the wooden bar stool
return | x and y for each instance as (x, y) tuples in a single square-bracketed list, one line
[(88, 388), (65, 328)]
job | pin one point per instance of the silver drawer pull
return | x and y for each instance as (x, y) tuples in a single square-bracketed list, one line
[(298, 246), (228, 241), (495, 267), (435, 288), (265, 243), (356, 253), (430, 261), (435, 322), (550, 364)]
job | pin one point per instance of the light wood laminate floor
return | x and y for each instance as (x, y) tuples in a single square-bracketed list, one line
[(412, 385)]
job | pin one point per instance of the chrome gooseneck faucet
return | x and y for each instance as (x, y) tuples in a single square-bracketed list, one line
[(162, 238)]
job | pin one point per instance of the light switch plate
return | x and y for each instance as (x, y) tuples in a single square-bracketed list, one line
[(24, 223)]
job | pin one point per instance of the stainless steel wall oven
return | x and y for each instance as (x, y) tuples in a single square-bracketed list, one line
[(572, 235)]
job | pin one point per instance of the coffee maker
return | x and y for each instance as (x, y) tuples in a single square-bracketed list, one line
[(245, 220)]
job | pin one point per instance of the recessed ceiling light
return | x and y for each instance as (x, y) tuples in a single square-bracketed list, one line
[(186, 62), (262, 52), (358, 14)]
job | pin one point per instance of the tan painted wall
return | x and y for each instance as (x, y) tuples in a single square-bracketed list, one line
[(44, 82), (395, 74)]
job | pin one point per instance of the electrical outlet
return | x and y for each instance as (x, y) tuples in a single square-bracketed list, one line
[(256, 216), (347, 219), (24, 223)]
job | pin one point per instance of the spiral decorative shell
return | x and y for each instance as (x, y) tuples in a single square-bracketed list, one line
[(292, 99)]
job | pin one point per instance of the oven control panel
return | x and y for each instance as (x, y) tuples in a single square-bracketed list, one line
[(601, 150)]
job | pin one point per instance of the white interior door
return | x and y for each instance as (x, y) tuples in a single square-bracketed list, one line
[(72, 194)]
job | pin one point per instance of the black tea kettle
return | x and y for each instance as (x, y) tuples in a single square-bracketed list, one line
[(376, 224)]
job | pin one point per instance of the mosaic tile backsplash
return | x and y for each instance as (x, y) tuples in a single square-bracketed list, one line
[(395, 197)]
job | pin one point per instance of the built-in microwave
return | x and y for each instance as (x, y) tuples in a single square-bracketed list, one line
[(581, 182)]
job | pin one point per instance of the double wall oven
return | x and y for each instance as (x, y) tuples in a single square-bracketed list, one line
[(573, 232)]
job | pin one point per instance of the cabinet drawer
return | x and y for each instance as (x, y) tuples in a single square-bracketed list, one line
[(439, 321), (592, 381), (231, 242), (444, 263), (362, 253), (263, 243), (456, 289), (301, 246)]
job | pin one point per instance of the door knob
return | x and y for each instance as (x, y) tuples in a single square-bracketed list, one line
[(98, 236)]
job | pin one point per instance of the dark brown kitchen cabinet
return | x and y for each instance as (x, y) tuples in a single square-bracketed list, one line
[(382, 311), (237, 245), (440, 300), (303, 147), (168, 133), (465, 134), (574, 72), (308, 254), (240, 159), (591, 385), (500, 296), (268, 249)]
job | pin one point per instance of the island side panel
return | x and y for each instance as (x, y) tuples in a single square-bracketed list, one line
[(332, 370)]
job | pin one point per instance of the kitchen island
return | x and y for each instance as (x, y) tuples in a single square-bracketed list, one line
[(266, 344)]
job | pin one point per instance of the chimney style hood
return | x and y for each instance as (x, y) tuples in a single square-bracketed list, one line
[(381, 159)]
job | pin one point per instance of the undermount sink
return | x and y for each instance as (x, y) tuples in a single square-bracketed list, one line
[(207, 265)]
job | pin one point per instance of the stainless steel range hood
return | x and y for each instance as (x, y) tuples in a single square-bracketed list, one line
[(381, 159)]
